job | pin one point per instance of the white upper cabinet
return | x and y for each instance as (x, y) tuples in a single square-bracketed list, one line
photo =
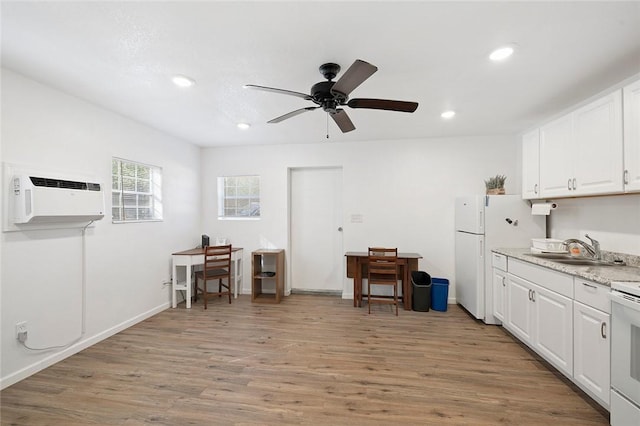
[(598, 146), (556, 157), (531, 165), (631, 95), (581, 152)]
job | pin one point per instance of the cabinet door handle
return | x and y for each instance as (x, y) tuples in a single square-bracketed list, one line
[(529, 294), (625, 177), (589, 285), (535, 188), (503, 283), (569, 184), (574, 184), (533, 296), (603, 330)]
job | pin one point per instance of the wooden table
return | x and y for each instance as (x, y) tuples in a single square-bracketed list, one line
[(193, 257), (357, 262)]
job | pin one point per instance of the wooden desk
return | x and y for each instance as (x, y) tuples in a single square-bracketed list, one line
[(193, 257), (357, 262)]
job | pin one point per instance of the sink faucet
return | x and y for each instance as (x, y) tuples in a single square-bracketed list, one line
[(593, 249)]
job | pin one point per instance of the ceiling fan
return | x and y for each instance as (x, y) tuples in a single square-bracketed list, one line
[(331, 95)]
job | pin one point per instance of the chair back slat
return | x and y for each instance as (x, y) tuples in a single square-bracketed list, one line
[(217, 267), (217, 257), (383, 270)]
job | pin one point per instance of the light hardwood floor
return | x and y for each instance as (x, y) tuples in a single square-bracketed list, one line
[(310, 360)]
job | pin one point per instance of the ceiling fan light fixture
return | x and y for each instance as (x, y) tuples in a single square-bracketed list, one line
[(502, 53), (448, 114), (183, 81), (243, 126)]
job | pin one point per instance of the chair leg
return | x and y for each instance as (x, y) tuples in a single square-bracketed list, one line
[(395, 297), (369, 297), (204, 293), (229, 290)]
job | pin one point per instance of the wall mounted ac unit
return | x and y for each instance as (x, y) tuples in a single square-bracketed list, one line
[(38, 199)]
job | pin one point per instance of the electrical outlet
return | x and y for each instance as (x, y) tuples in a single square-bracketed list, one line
[(21, 331)]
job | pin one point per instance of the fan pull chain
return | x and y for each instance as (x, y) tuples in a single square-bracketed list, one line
[(327, 125)]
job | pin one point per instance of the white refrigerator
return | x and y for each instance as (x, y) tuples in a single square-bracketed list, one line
[(485, 222)]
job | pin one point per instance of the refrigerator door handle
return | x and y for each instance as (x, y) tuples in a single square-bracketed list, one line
[(481, 248)]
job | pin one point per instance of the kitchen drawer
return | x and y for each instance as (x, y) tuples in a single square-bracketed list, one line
[(552, 280), (499, 261), (592, 294)]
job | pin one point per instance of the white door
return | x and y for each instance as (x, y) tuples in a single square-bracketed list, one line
[(499, 293), (315, 228), (556, 157), (519, 309), (553, 328), (631, 109), (469, 263), (531, 165), (469, 214), (598, 146), (591, 350)]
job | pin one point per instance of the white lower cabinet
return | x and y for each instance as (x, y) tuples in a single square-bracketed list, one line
[(553, 333), (499, 293), (542, 319), (565, 319), (591, 340), (519, 309)]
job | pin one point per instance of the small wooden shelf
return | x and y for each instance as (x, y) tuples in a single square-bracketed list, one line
[(267, 269)]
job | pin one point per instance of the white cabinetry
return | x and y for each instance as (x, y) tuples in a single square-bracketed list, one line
[(519, 309), (598, 146), (539, 311), (556, 157), (563, 318), (631, 95), (499, 285), (581, 152), (531, 165), (553, 320), (591, 319)]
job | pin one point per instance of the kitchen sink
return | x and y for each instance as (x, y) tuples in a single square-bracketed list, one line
[(567, 259), (588, 262)]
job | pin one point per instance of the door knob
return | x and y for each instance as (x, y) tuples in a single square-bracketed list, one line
[(340, 229)]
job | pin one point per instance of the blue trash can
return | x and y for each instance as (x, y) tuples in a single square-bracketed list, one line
[(439, 294)]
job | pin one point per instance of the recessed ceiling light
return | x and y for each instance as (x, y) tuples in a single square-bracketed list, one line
[(501, 53), (243, 126), (448, 114), (182, 81)]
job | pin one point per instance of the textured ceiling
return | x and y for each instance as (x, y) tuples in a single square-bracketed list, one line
[(121, 55)]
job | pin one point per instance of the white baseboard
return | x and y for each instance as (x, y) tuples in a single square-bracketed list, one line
[(74, 349)]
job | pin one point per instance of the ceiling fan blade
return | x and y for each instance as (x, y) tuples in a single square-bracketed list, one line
[(291, 114), (357, 73), (342, 120), (385, 104), (281, 91)]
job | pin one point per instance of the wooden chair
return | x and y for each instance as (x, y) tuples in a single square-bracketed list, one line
[(217, 266), (383, 270)]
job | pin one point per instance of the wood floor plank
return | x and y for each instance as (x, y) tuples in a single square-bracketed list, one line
[(311, 359)]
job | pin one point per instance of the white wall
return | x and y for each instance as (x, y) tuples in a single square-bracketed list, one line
[(411, 209), (614, 221), (126, 264)]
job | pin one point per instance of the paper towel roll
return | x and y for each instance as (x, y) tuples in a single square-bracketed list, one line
[(543, 209)]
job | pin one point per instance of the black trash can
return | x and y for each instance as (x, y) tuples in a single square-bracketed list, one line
[(421, 285)]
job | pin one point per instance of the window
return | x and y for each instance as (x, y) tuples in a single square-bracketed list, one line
[(239, 197), (136, 191)]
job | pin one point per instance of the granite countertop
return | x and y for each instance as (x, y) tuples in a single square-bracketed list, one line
[(599, 274)]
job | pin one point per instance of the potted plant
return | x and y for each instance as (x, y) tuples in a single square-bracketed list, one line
[(495, 185)]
